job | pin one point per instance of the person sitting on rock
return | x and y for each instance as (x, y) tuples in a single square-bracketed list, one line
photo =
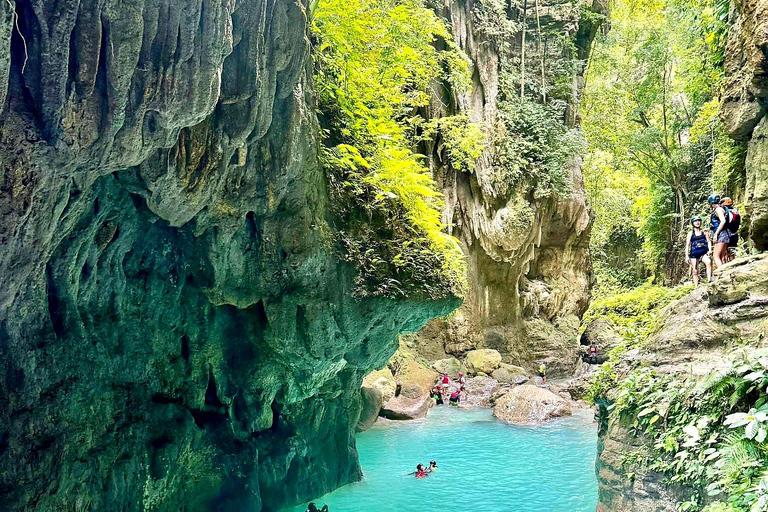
[(543, 372), (593, 353), (455, 397)]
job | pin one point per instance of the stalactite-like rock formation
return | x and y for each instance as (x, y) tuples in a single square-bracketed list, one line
[(528, 256), (176, 329)]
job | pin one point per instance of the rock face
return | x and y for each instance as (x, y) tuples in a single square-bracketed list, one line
[(483, 360), (371, 401), (695, 339), (528, 256), (528, 405), (449, 365), (744, 101), (176, 328)]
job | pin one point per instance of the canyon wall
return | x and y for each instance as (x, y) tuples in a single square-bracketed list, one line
[(745, 98), (529, 268), (177, 330)]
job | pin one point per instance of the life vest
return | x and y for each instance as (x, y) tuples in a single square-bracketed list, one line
[(699, 246), (714, 220)]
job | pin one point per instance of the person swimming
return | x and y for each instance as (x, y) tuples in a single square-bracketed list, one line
[(313, 508), (432, 467), (420, 471)]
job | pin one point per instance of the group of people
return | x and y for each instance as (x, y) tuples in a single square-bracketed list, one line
[(422, 472), (721, 240), (441, 390)]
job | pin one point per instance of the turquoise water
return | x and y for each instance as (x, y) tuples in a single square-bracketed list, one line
[(484, 465)]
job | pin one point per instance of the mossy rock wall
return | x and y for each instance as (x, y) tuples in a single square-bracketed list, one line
[(177, 331)]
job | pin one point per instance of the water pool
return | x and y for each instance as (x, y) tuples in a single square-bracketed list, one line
[(484, 465)]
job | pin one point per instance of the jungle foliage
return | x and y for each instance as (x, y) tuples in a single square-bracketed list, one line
[(657, 148), (533, 144), (709, 433), (375, 64)]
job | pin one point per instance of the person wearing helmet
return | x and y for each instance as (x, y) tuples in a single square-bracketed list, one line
[(718, 222), (734, 222), (697, 249)]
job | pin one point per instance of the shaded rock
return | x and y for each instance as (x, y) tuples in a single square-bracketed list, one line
[(383, 381), (371, 401), (603, 333), (505, 376), (451, 366), (482, 361), (479, 391), (528, 404)]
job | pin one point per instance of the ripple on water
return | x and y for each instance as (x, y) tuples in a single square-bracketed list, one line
[(484, 465)]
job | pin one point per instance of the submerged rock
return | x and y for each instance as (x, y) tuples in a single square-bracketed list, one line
[(528, 404), (483, 361)]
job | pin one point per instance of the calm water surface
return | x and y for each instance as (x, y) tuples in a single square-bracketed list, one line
[(484, 465)]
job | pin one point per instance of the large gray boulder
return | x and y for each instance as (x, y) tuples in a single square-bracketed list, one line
[(528, 404), (483, 360)]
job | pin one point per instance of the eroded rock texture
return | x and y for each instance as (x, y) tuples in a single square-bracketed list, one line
[(745, 99), (528, 258), (696, 339), (176, 331)]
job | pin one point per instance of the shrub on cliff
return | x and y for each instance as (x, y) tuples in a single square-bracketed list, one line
[(375, 64), (709, 434)]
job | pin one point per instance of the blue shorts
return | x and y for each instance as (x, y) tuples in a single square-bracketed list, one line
[(724, 237)]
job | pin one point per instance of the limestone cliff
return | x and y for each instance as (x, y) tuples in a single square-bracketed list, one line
[(745, 98), (177, 331), (697, 336), (527, 253)]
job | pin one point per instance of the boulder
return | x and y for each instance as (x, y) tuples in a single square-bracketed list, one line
[(603, 333), (479, 391), (412, 369), (483, 360), (371, 401), (514, 369), (507, 377), (450, 365), (383, 381), (528, 404), (403, 407)]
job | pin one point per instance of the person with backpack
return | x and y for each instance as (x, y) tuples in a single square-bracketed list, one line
[(718, 223), (734, 223), (697, 249)]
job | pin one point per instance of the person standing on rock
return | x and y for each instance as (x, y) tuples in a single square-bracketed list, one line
[(719, 224), (462, 381), (446, 381), (543, 372), (734, 222), (697, 248)]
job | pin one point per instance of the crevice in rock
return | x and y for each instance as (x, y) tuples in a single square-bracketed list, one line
[(185, 347), (55, 306)]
